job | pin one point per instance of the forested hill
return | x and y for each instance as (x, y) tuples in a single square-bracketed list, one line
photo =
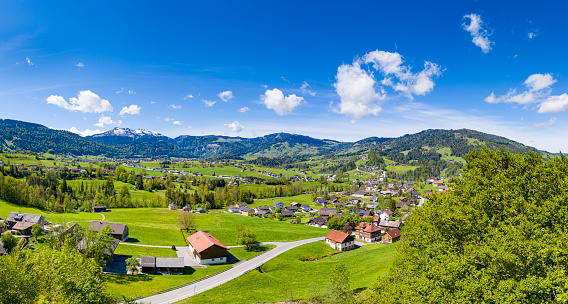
[(418, 148)]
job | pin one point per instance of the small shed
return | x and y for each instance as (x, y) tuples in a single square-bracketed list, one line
[(99, 209), (391, 236), (172, 206)]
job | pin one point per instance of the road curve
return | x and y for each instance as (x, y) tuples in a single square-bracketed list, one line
[(224, 277)]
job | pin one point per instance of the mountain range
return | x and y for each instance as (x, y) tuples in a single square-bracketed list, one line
[(124, 142)]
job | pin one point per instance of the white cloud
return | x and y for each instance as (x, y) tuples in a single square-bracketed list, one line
[(244, 109), (87, 132), (357, 90), (131, 110), (538, 90), (531, 35), (554, 104), (168, 119), (306, 89), (275, 100), (80, 65), (188, 96), (107, 120), (177, 123), (29, 61), (189, 127), (86, 102), (209, 103), (175, 107), (226, 96), (120, 91), (480, 35), (400, 77), (545, 124), (131, 92), (235, 126)]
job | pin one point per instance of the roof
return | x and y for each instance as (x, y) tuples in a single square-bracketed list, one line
[(170, 262), (337, 236), (25, 217), (389, 212), (394, 233), (200, 241), (2, 251), (23, 225), (319, 220), (287, 212), (390, 224), (99, 207), (367, 227), (116, 228), (148, 261), (327, 211)]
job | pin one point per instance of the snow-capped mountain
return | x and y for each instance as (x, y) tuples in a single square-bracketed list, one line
[(119, 136)]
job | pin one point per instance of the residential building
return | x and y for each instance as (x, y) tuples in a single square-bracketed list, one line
[(367, 232), (206, 249), (340, 241), (391, 236), (99, 209), (119, 231)]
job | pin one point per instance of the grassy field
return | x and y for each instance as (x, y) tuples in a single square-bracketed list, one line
[(6, 208), (120, 285), (302, 199), (288, 273)]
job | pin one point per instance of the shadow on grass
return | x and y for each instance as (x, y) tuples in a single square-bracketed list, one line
[(258, 248), (125, 279), (132, 240)]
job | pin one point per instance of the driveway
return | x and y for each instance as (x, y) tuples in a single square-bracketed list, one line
[(187, 259), (237, 270)]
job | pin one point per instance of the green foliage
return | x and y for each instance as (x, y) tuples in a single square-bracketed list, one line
[(247, 237), (51, 276), (338, 290), (132, 265), (9, 241), (186, 221), (37, 231), (499, 237)]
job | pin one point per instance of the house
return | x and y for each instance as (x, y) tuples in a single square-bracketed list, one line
[(99, 209), (327, 212), (246, 211), (367, 232), (201, 210), (119, 231), (279, 204), (291, 208), (340, 241), (287, 213), (306, 208), (82, 245), (319, 221), (389, 224), (391, 236), (321, 201), (438, 183), (295, 204), (23, 222), (186, 209), (74, 230), (172, 206), (206, 249), (150, 264), (233, 209)]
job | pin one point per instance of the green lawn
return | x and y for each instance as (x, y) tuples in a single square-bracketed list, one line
[(6, 208), (304, 279), (137, 285)]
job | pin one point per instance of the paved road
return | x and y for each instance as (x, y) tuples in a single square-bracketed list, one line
[(238, 270)]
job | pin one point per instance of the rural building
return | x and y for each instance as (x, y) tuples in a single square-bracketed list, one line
[(391, 236), (319, 221), (150, 264), (327, 212), (389, 224), (99, 208), (23, 222), (186, 209), (279, 204), (206, 249), (119, 231), (233, 209), (172, 206), (340, 241), (287, 213), (246, 211), (367, 232)]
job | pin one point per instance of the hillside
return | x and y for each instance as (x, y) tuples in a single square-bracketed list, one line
[(417, 149)]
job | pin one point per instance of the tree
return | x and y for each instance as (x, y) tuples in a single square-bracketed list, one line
[(186, 221), (499, 237), (37, 231), (337, 289), (9, 241), (247, 237), (132, 265)]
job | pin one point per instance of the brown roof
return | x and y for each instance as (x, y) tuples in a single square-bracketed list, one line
[(394, 233), (327, 211), (337, 236), (201, 241), (367, 227), (389, 212), (116, 228), (23, 225)]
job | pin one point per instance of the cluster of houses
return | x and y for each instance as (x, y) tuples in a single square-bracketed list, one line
[(286, 211)]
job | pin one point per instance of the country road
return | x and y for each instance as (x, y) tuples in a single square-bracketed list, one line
[(237, 270)]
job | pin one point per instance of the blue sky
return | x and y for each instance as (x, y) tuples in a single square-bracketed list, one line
[(342, 70)]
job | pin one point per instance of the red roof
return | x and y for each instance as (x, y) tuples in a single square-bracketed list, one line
[(388, 211), (394, 233), (367, 227), (201, 241), (337, 236)]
